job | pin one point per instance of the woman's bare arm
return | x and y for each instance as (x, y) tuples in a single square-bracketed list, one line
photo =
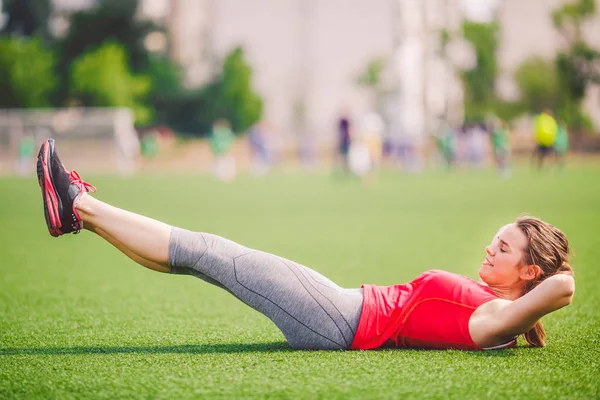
[(521, 315)]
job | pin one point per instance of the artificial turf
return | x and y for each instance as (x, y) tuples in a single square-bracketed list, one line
[(80, 320)]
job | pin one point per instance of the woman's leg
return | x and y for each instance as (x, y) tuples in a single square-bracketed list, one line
[(125, 250), (310, 310), (135, 234)]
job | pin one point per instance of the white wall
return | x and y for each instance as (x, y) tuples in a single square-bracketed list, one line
[(306, 48)]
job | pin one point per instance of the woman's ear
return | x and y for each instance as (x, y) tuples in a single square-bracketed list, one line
[(530, 272)]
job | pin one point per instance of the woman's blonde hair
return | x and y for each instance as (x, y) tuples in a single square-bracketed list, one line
[(548, 248)]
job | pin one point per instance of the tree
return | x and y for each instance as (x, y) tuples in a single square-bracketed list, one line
[(234, 98), (480, 80), (110, 20), (102, 78), (538, 81), (568, 19), (27, 75), (165, 76), (579, 65), (113, 20), (229, 96)]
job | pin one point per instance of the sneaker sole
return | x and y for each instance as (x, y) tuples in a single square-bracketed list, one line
[(49, 195)]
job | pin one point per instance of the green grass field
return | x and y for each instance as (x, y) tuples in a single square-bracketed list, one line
[(80, 320)]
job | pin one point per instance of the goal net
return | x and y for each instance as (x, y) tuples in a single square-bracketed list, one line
[(98, 140)]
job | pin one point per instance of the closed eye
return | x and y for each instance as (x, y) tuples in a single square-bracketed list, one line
[(503, 244)]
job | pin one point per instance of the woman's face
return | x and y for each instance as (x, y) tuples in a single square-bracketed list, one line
[(502, 264)]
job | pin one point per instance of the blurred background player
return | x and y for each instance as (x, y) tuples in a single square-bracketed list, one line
[(445, 142), (500, 137), (343, 145), (545, 128), (221, 141), (359, 158), (259, 149), (149, 144), (561, 144), (477, 142), (372, 127), (25, 160), (366, 146)]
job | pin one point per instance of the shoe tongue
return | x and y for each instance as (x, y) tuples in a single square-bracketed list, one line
[(60, 176), (73, 192)]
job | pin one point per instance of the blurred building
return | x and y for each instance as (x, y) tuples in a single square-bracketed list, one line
[(307, 54), (189, 26), (427, 88)]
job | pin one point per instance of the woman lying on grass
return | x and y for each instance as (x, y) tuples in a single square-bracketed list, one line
[(525, 275)]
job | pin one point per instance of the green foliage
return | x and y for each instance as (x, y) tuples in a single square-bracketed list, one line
[(480, 80), (109, 20), (561, 86), (27, 75), (371, 76), (229, 96), (445, 37), (113, 20), (235, 100), (508, 110), (577, 66), (165, 76), (576, 69), (570, 16), (165, 95), (187, 112), (538, 81), (102, 78)]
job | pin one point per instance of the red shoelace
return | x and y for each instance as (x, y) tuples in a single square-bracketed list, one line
[(81, 184)]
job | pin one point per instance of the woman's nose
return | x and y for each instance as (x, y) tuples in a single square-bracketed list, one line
[(488, 249)]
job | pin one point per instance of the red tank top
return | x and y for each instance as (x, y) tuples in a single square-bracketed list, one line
[(433, 312)]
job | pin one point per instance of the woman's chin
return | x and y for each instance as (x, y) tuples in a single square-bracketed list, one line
[(482, 274)]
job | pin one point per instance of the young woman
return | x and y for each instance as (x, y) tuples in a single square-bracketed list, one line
[(525, 275)]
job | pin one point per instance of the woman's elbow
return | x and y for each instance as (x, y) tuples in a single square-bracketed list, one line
[(565, 285)]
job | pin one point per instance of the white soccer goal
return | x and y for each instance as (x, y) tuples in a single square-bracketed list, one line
[(99, 140)]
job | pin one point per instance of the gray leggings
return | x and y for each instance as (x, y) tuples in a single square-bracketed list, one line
[(311, 311)]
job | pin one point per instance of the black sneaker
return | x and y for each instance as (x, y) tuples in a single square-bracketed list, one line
[(61, 191)]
